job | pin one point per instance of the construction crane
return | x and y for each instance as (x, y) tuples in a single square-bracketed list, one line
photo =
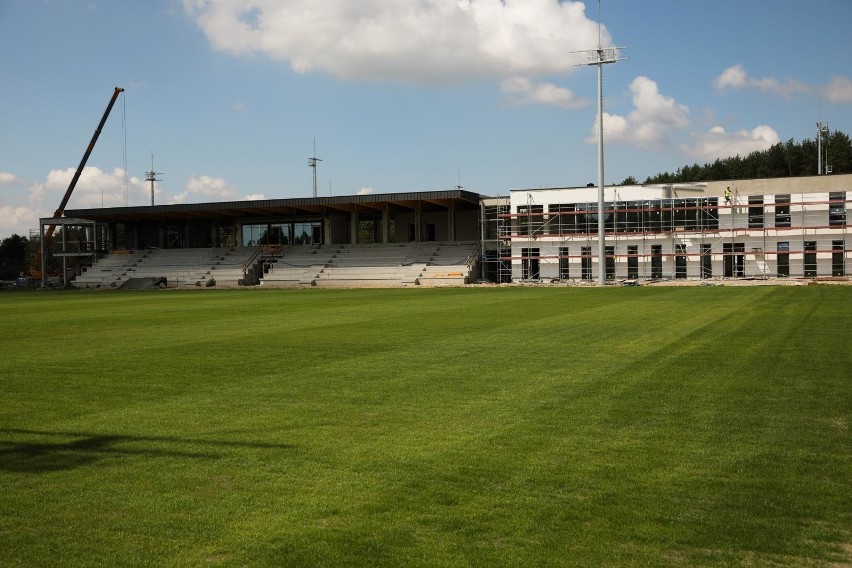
[(35, 270)]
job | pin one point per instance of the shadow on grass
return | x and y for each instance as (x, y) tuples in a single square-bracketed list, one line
[(42, 451)]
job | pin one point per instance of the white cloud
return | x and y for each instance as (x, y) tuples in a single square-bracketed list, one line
[(207, 189), (648, 125), (720, 144), (239, 107), (365, 191), (95, 188), (404, 40), (17, 220), (736, 78), (839, 91), (524, 91)]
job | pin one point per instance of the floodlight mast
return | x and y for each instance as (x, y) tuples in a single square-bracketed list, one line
[(152, 177), (312, 163), (599, 57), (822, 130)]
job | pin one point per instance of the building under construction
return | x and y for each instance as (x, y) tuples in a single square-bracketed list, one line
[(767, 228)]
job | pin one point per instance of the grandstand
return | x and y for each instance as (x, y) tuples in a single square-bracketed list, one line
[(376, 265)]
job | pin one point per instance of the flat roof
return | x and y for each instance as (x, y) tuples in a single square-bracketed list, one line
[(295, 207)]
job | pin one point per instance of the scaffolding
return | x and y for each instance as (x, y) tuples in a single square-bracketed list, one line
[(675, 237), (496, 248)]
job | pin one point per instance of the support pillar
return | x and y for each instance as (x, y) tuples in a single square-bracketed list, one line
[(353, 227), (385, 225)]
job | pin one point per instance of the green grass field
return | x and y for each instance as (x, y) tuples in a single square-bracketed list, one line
[(458, 427)]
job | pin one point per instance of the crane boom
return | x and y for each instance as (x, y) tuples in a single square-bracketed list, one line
[(61, 209), (35, 268)]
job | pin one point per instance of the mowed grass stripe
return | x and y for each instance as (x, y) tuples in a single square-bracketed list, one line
[(428, 427)]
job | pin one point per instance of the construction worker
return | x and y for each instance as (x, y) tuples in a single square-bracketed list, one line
[(728, 195)]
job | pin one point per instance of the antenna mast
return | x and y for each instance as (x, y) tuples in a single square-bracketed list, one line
[(312, 163), (152, 177)]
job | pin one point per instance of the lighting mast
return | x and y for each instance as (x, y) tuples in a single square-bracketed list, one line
[(152, 177), (599, 57), (822, 130), (312, 163)]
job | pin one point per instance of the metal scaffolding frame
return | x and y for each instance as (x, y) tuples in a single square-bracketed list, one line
[(741, 235)]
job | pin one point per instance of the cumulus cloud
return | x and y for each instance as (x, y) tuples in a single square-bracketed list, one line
[(720, 144), (17, 220), (205, 188), (365, 191), (648, 125), (95, 188), (208, 188), (524, 91), (736, 78), (404, 40), (838, 91)]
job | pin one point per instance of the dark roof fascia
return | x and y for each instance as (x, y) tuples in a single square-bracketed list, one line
[(371, 198)]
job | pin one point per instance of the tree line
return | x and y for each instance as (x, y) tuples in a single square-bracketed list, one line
[(14, 252), (785, 159)]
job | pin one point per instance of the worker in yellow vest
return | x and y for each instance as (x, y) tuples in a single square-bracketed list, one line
[(728, 195)]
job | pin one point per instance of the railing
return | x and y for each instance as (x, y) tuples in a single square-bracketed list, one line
[(253, 257), (475, 254)]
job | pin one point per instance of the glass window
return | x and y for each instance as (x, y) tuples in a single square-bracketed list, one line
[(680, 261), (837, 208), (709, 213), (652, 216), (609, 217), (254, 235), (783, 258), (755, 211), (530, 264), (633, 262), (656, 261), (782, 210), (530, 219), (586, 263), (609, 256), (632, 217), (587, 220), (227, 236), (564, 260), (706, 261), (838, 258), (810, 260)]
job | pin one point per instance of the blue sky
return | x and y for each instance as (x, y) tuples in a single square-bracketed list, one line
[(410, 95)]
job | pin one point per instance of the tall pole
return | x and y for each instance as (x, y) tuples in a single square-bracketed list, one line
[(822, 129), (599, 57), (601, 231), (152, 177), (312, 163)]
